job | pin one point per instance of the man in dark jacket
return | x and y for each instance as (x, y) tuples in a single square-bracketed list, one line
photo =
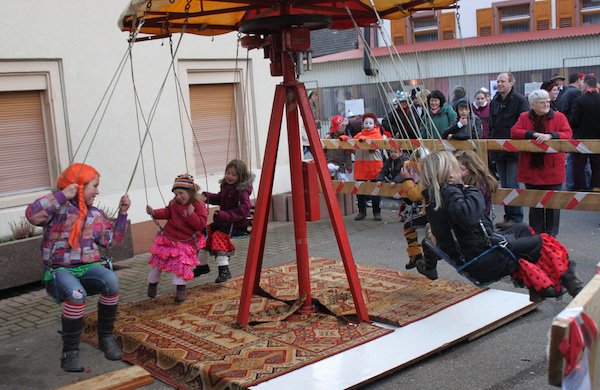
[(573, 91), (505, 109), (565, 105), (584, 119)]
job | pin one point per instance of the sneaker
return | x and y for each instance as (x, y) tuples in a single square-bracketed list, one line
[(376, 217), (360, 216), (424, 270)]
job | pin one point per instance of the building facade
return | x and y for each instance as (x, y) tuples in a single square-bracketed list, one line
[(67, 93), (467, 46)]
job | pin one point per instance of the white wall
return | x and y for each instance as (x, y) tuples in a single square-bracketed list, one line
[(85, 39)]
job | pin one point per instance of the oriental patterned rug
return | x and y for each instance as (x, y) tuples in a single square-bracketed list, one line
[(198, 345)]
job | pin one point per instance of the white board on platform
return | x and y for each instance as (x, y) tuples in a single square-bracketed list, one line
[(408, 344)]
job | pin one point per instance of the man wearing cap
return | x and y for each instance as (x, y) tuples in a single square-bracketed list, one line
[(560, 82), (402, 121)]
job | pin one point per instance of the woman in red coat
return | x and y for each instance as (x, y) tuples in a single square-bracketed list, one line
[(542, 171)]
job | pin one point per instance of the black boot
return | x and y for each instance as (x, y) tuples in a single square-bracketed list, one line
[(570, 281), (538, 296), (152, 288), (427, 269), (71, 330), (201, 270), (106, 341), (180, 293), (224, 274)]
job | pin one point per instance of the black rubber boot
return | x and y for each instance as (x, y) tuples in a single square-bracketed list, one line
[(71, 330), (224, 274), (538, 296), (180, 293), (152, 288), (201, 270), (571, 282), (426, 269), (106, 341), (412, 261)]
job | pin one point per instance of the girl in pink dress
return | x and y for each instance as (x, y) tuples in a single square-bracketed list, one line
[(176, 246)]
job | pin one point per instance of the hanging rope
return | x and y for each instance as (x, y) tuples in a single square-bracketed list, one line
[(110, 90), (372, 57), (176, 79)]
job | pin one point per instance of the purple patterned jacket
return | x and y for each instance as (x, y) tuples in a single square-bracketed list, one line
[(56, 215)]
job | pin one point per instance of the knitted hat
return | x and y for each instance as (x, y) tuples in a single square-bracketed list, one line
[(79, 174), (184, 181), (336, 121)]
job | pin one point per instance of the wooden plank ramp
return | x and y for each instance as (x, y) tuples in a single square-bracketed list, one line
[(463, 322), (124, 379)]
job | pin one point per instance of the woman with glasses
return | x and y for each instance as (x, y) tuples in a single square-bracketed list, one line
[(542, 171)]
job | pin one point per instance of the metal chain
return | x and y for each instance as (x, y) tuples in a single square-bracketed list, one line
[(187, 11)]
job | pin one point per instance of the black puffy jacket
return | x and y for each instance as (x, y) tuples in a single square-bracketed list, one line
[(462, 208)]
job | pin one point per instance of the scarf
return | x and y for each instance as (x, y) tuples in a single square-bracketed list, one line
[(539, 125)]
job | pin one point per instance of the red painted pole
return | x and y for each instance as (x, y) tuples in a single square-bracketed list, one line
[(261, 211), (334, 212), (297, 181)]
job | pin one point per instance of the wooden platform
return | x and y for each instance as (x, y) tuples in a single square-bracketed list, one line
[(463, 321)]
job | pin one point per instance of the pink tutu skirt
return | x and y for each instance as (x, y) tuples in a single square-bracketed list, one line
[(174, 256)]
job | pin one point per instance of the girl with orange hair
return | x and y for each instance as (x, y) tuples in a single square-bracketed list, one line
[(73, 229)]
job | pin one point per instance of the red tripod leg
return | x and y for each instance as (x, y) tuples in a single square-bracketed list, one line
[(261, 212), (334, 212), (299, 208)]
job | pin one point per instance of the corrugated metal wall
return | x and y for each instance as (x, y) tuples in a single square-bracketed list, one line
[(530, 62), (522, 56)]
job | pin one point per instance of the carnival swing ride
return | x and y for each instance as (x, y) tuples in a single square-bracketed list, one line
[(283, 30)]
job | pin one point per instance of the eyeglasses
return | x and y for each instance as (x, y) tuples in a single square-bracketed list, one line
[(542, 102)]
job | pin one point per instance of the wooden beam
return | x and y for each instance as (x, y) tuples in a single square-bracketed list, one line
[(589, 300), (124, 379)]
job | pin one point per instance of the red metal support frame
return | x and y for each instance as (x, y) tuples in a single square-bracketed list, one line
[(292, 96)]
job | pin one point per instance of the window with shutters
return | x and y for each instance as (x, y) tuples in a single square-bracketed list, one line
[(33, 136), (398, 31), (485, 22), (590, 12), (214, 125), (425, 29), (514, 18)]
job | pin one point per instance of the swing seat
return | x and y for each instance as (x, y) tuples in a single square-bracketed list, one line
[(498, 259)]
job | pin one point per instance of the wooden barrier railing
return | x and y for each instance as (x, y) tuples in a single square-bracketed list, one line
[(588, 146), (585, 201), (569, 200)]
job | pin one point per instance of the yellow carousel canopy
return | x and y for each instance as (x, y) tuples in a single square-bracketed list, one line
[(206, 17)]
